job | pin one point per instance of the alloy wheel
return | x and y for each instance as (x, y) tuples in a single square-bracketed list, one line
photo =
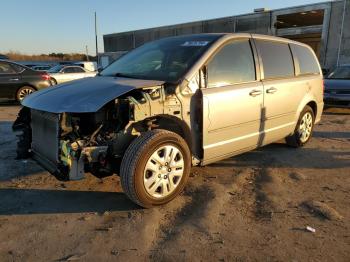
[(305, 127), (24, 92), (163, 171)]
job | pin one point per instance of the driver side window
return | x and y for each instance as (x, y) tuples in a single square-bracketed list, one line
[(78, 70), (233, 64)]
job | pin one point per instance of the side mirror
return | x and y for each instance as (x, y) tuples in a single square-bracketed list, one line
[(99, 70)]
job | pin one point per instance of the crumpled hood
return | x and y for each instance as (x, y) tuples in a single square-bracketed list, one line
[(85, 95)]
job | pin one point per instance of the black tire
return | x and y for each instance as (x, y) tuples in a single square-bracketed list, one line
[(295, 140), (137, 156), (23, 92), (53, 81)]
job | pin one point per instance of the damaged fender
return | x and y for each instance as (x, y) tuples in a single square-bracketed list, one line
[(85, 95)]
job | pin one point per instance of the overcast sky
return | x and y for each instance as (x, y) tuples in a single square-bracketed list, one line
[(36, 26)]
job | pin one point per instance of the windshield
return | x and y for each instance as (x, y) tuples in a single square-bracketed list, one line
[(342, 72), (166, 60), (55, 69)]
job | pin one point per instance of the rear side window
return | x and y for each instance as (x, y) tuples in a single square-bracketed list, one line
[(78, 70), (69, 70), (233, 64), (276, 59), (6, 68), (307, 61)]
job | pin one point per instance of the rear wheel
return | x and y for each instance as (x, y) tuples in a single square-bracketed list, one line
[(155, 168), (23, 92), (53, 81), (303, 130)]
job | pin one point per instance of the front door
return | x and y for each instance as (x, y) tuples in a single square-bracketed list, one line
[(232, 102), (68, 74), (9, 81)]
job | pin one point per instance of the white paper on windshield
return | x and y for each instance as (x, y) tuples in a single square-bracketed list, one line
[(195, 43)]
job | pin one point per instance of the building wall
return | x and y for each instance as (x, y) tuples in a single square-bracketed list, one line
[(253, 23), (345, 51), (262, 23), (334, 35)]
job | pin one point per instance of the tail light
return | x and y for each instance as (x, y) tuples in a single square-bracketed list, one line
[(45, 77)]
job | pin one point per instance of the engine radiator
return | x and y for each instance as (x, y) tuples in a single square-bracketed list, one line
[(45, 137)]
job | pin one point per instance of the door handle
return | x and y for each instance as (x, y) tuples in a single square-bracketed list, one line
[(14, 79), (255, 93), (271, 90)]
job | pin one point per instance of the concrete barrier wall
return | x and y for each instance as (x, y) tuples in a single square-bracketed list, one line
[(119, 42), (261, 23), (222, 25), (345, 45), (255, 23), (334, 35)]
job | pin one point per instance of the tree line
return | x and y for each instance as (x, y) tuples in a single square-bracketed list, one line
[(16, 56)]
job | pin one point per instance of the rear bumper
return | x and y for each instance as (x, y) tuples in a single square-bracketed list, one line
[(43, 84)]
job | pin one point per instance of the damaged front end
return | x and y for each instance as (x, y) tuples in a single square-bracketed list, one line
[(70, 144)]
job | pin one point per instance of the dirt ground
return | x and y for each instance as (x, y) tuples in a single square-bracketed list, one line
[(252, 207)]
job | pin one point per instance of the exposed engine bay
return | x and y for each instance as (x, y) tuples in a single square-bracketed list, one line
[(70, 144)]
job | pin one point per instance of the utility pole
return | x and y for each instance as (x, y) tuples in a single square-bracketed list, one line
[(96, 37), (87, 53)]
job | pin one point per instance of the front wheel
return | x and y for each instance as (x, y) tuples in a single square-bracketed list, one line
[(303, 130), (155, 168)]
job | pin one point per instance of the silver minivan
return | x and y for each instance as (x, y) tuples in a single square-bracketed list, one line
[(171, 104)]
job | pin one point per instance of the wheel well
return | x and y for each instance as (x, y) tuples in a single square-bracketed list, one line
[(175, 125), (24, 86), (313, 105)]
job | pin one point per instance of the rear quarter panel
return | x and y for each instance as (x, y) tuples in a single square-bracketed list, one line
[(314, 94), (33, 78)]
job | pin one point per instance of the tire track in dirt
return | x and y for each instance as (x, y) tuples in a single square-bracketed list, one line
[(197, 223), (268, 195), (186, 219)]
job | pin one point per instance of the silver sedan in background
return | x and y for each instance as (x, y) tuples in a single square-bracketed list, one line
[(62, 73)]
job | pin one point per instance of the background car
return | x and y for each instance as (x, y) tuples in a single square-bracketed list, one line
[(337, 87), (89, 66), (43, 68), (61, 73), (18, 81), (4, 57)]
